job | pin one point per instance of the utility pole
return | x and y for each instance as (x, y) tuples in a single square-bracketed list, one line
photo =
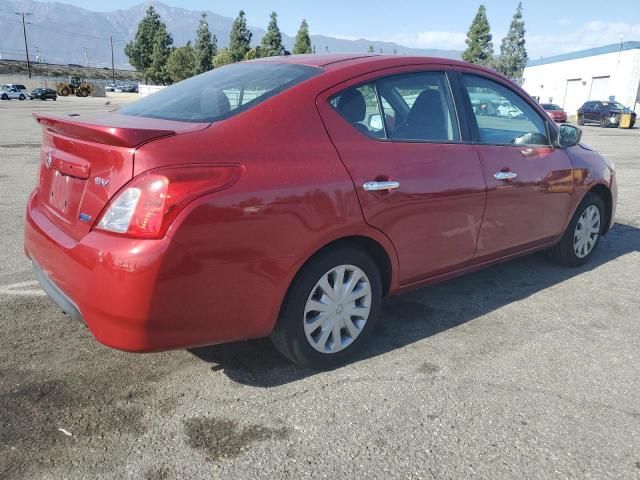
[(26, 47), (86, 57), (113, 68)]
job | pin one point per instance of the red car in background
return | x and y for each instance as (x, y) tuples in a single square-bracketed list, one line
[(555, 112), (285, 197)]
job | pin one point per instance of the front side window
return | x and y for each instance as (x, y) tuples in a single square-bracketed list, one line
[(503, 117), (220, 93)]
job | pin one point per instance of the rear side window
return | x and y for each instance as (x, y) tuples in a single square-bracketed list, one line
[(408, 107), (423, 107), (220, 93), (360, 107), (503, 116)]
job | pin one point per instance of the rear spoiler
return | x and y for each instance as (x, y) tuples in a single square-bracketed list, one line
[(115, 129)]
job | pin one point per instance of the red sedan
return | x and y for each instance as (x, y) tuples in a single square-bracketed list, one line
[(556, 112), (287, 196)]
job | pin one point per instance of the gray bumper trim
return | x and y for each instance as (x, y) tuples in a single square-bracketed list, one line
[(57, 295)]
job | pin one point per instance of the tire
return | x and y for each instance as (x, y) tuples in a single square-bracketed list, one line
[(604, 122), (5, 97), (580, 119), (64, 92), (21, 97), (567, 251), (294, 334), (83, 92)]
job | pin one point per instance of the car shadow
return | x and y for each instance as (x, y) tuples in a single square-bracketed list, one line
[(419, 314)]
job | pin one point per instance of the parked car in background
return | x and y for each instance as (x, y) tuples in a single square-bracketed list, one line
[(9, 91), (110, 87), (43, 94), (285, 197), (604, 113), (555, 112)]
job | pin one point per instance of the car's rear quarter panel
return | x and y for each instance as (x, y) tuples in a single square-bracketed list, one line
[(244, 245)]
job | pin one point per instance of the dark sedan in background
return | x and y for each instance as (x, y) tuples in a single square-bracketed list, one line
[(556, 112), (43, 94), (605, 114)]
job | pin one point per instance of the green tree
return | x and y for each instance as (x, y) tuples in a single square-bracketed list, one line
[(272, 41), (370, 50), (182, 63), (303, 40), (513, 54), (255, 52), (479, 46), (206, 46), (162, 43), (240, 38), (140, 49), (223, 57)]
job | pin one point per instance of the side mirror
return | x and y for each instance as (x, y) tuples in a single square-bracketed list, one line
[(569, 135)]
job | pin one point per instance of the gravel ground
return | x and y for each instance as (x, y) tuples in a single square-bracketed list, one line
[(523, 370)]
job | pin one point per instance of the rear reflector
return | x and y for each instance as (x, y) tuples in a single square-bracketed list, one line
[(148, 204)]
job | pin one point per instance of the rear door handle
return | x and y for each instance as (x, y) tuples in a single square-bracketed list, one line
[(377, 186), (505, 175)]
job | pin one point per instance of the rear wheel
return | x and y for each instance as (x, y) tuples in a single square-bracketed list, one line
[(21, 97), (64, 91), (330, 309), (583, 233), (5, 96), (83, 92), (580, 119), (604, 122)]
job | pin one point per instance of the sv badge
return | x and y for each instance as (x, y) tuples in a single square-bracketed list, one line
[(101, 182)]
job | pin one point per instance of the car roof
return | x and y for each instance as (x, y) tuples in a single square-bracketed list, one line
[(344, 60)]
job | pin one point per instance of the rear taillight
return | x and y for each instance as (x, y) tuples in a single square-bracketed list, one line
[(148, 204)]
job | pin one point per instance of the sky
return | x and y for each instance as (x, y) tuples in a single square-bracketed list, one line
[(553, 27)]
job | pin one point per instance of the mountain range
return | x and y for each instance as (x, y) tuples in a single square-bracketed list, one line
[(62, 33)]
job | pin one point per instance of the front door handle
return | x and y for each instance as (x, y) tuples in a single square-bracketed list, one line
[(505, 175), (377, 186)]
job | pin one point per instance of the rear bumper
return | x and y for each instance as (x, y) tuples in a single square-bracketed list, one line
[(142, 295), (58, 296)]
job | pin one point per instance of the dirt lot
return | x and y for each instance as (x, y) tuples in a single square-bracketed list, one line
[(524, 370)]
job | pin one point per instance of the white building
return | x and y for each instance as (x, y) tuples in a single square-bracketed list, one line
[(571, 79)]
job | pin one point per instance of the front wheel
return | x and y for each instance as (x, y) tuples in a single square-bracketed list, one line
[(21, 97), (330, 309), (583, 233), (5, 97)]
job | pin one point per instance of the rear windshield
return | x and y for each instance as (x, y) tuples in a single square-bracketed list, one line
[(220, 93)]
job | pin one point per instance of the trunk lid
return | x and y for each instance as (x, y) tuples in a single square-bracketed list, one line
[(85, 162)]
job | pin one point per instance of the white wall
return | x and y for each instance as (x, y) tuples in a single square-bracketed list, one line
[(570, 83), (144, 90)]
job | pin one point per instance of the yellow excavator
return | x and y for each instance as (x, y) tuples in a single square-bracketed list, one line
[(75, 85)]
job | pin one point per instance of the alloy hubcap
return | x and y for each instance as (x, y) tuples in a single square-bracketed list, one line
[(587, 231), (337, 309)]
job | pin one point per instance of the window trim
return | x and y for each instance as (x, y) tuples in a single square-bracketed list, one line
[(470, 116)]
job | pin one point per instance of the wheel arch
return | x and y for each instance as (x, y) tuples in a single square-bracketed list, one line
[(605, 194)]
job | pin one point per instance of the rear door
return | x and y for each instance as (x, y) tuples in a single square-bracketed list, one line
[(417, 181), (529, 182)]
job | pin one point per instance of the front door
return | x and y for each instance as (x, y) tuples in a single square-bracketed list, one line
[(529, 182), (399, 138)]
